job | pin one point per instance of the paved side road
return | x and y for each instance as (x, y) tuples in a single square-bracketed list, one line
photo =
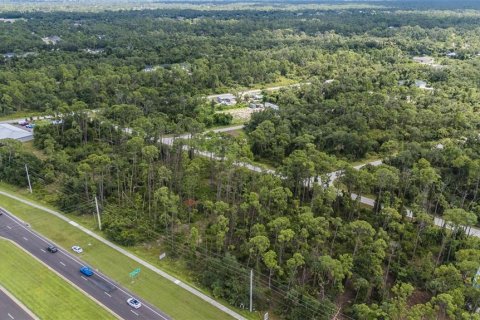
[(99, 287), (11, 310)]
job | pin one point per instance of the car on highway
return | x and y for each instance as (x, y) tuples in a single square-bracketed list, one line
[(134, 303), (77, 249), (86, 271), (51, 248)]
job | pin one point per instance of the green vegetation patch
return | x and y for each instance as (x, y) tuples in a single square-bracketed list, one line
[(42, 291)]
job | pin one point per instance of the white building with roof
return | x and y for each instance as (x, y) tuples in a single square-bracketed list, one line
[(7, 131)]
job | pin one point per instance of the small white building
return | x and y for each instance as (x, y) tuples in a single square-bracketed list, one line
[(422, 85), (7, 131)]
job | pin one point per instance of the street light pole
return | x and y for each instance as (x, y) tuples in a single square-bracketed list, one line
[(28, 178), (251, 290)]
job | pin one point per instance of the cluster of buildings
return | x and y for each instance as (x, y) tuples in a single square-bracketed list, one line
[(93, 51), (12, 20), (11, 55), (255, 101)]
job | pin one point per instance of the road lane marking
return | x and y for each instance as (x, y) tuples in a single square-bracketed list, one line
[(63, 264), (43, 250), (107, 294), (11, 317), (25, 239), (134, 312), (9, 227), (84, 278), (177, 281)]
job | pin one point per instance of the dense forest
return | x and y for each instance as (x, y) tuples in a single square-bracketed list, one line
[(118, 83)]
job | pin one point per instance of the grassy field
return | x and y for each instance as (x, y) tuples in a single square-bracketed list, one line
[(150, 286), (42, 291)]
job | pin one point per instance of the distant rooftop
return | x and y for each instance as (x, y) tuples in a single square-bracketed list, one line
[(11, 20), (52, 40), (424, 60), (7, 131)]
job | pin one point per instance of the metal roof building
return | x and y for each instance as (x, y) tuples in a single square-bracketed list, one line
[(7, 131)]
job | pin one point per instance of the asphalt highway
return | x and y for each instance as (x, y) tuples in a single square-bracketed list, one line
[(98, 286), (9, 310)]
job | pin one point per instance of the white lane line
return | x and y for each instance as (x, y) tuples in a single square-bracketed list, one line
[(63, 264), (84, 278), (9, 227), (43, 250), (107, 294), (25, 239), (11, 317), (177, 281), (134, 312)]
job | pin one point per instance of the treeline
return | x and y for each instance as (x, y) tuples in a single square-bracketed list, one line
[(165, 60)]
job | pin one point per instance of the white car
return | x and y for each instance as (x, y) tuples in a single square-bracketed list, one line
[(134, 303), (77, 249)]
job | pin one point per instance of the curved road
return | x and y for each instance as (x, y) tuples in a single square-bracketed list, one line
[(98, 286)]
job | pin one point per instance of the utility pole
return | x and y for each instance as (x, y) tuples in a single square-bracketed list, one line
[(98, 214), (28, 178), (251, 290)]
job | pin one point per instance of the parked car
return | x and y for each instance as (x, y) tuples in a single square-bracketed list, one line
[(77, 249), (86, 271), (51, 248), (30, 126), (134, 303)]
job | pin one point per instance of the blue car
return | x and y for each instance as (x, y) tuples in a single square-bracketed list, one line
[(86, 271)]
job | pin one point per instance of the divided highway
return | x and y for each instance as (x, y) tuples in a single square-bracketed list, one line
[(98, 286)]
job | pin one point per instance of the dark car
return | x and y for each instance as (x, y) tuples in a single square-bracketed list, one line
[(51, 248)]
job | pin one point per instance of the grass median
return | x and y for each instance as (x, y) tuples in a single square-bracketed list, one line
[(42, 291), (173, 300)]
